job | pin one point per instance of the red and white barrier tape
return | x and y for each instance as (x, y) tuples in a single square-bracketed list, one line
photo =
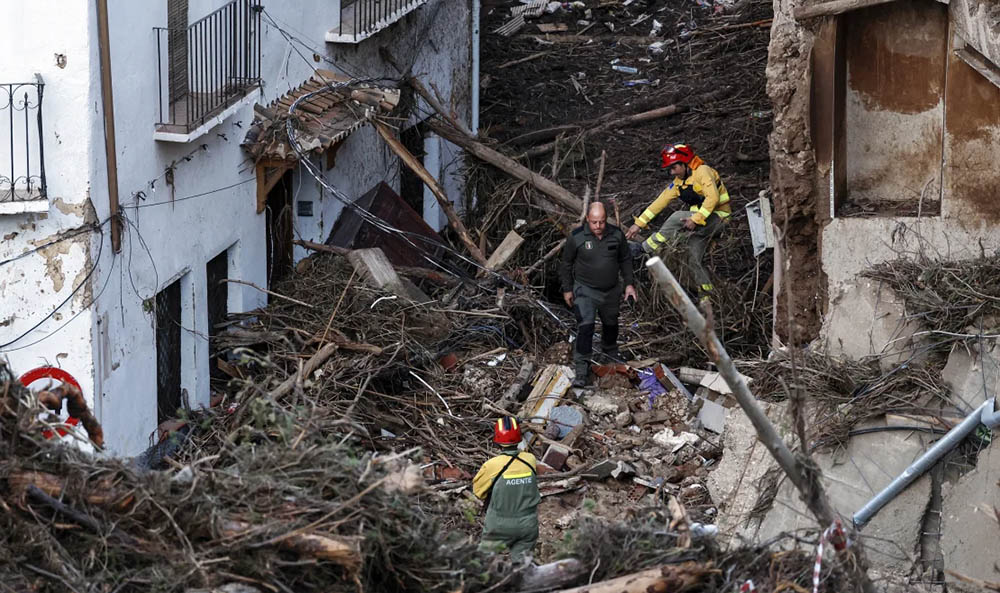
[(835, 535)]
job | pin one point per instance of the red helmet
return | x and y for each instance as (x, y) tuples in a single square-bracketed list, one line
[(506, 431), (676, 153)]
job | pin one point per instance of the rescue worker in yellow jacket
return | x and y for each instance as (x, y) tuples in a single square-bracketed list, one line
[(508, 485), (700, 187)]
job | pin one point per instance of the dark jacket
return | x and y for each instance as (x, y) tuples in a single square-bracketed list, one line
[(593, 262)]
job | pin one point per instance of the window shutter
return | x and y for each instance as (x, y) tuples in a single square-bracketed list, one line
[(177, 46)]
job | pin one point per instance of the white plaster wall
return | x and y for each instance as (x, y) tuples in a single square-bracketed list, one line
[(36, 285), (182, 228), (171, 231), (850, 245)]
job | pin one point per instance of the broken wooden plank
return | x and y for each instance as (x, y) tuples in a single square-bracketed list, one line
[(415, 165), (376, 270), (508, 247), (832, 8), (553, 27)]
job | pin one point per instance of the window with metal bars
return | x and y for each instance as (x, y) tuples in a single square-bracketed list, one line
[(206, 66)]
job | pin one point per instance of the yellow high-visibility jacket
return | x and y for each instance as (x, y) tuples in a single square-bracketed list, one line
[(703, 191)]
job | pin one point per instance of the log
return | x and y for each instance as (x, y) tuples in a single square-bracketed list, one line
[(552, 575), (630, 120), (437, 106), (561, 195), (671, 578), (36, 494), (101, 493), (344, 551), (414, 165)]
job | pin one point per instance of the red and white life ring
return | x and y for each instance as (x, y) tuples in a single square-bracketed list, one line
[(59, 375)]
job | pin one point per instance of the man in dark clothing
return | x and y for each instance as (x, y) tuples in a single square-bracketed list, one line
[(594, 256)]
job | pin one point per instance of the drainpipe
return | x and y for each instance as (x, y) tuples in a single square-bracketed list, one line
[(104, 46), (986, 414), (476, 8)]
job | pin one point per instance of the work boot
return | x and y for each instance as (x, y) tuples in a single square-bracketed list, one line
[(582, 374)]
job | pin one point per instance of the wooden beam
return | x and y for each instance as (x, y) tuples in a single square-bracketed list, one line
[(508, 247), (833, 7), (266, 181), (108, 101), (415, 165)]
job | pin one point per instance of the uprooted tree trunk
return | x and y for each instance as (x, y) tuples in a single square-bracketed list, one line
[(630, 120), (804, 477), (672, 578), (558, 193)]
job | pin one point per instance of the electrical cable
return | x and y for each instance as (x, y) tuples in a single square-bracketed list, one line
[(86, 279), (376, 221)]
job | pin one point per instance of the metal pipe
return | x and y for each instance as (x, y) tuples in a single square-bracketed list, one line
[(985, 414)]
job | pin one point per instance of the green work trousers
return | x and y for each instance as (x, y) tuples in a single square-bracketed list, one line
[(697, 244), (517, 535)]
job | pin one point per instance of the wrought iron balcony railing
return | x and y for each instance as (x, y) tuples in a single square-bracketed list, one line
[(208, 66), (22, 156), (360, 19)]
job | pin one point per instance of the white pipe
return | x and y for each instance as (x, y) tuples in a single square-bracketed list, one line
[(985, 414), (476, 8)]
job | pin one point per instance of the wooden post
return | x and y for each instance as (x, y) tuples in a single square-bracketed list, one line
[(108, 101), (411, 161), (805, 480)]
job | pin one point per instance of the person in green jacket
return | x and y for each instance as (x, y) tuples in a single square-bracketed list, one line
[(508, 485)]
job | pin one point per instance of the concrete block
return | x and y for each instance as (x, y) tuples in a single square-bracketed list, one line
[(712, 416), (972, 374), (866, 318), (733, 483), (851, 477), (970, 530)]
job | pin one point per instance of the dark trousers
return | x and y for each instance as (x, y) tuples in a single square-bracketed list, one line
[(588, 304)]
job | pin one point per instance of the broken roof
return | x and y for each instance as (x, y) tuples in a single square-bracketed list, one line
[(322, 121)]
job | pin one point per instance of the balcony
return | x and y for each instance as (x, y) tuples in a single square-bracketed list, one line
[(360, 19), (208, 70), (22, 154)]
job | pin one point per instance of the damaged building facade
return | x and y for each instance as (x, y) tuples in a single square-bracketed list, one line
[(158, 112), (887, 127), (887, 123)]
